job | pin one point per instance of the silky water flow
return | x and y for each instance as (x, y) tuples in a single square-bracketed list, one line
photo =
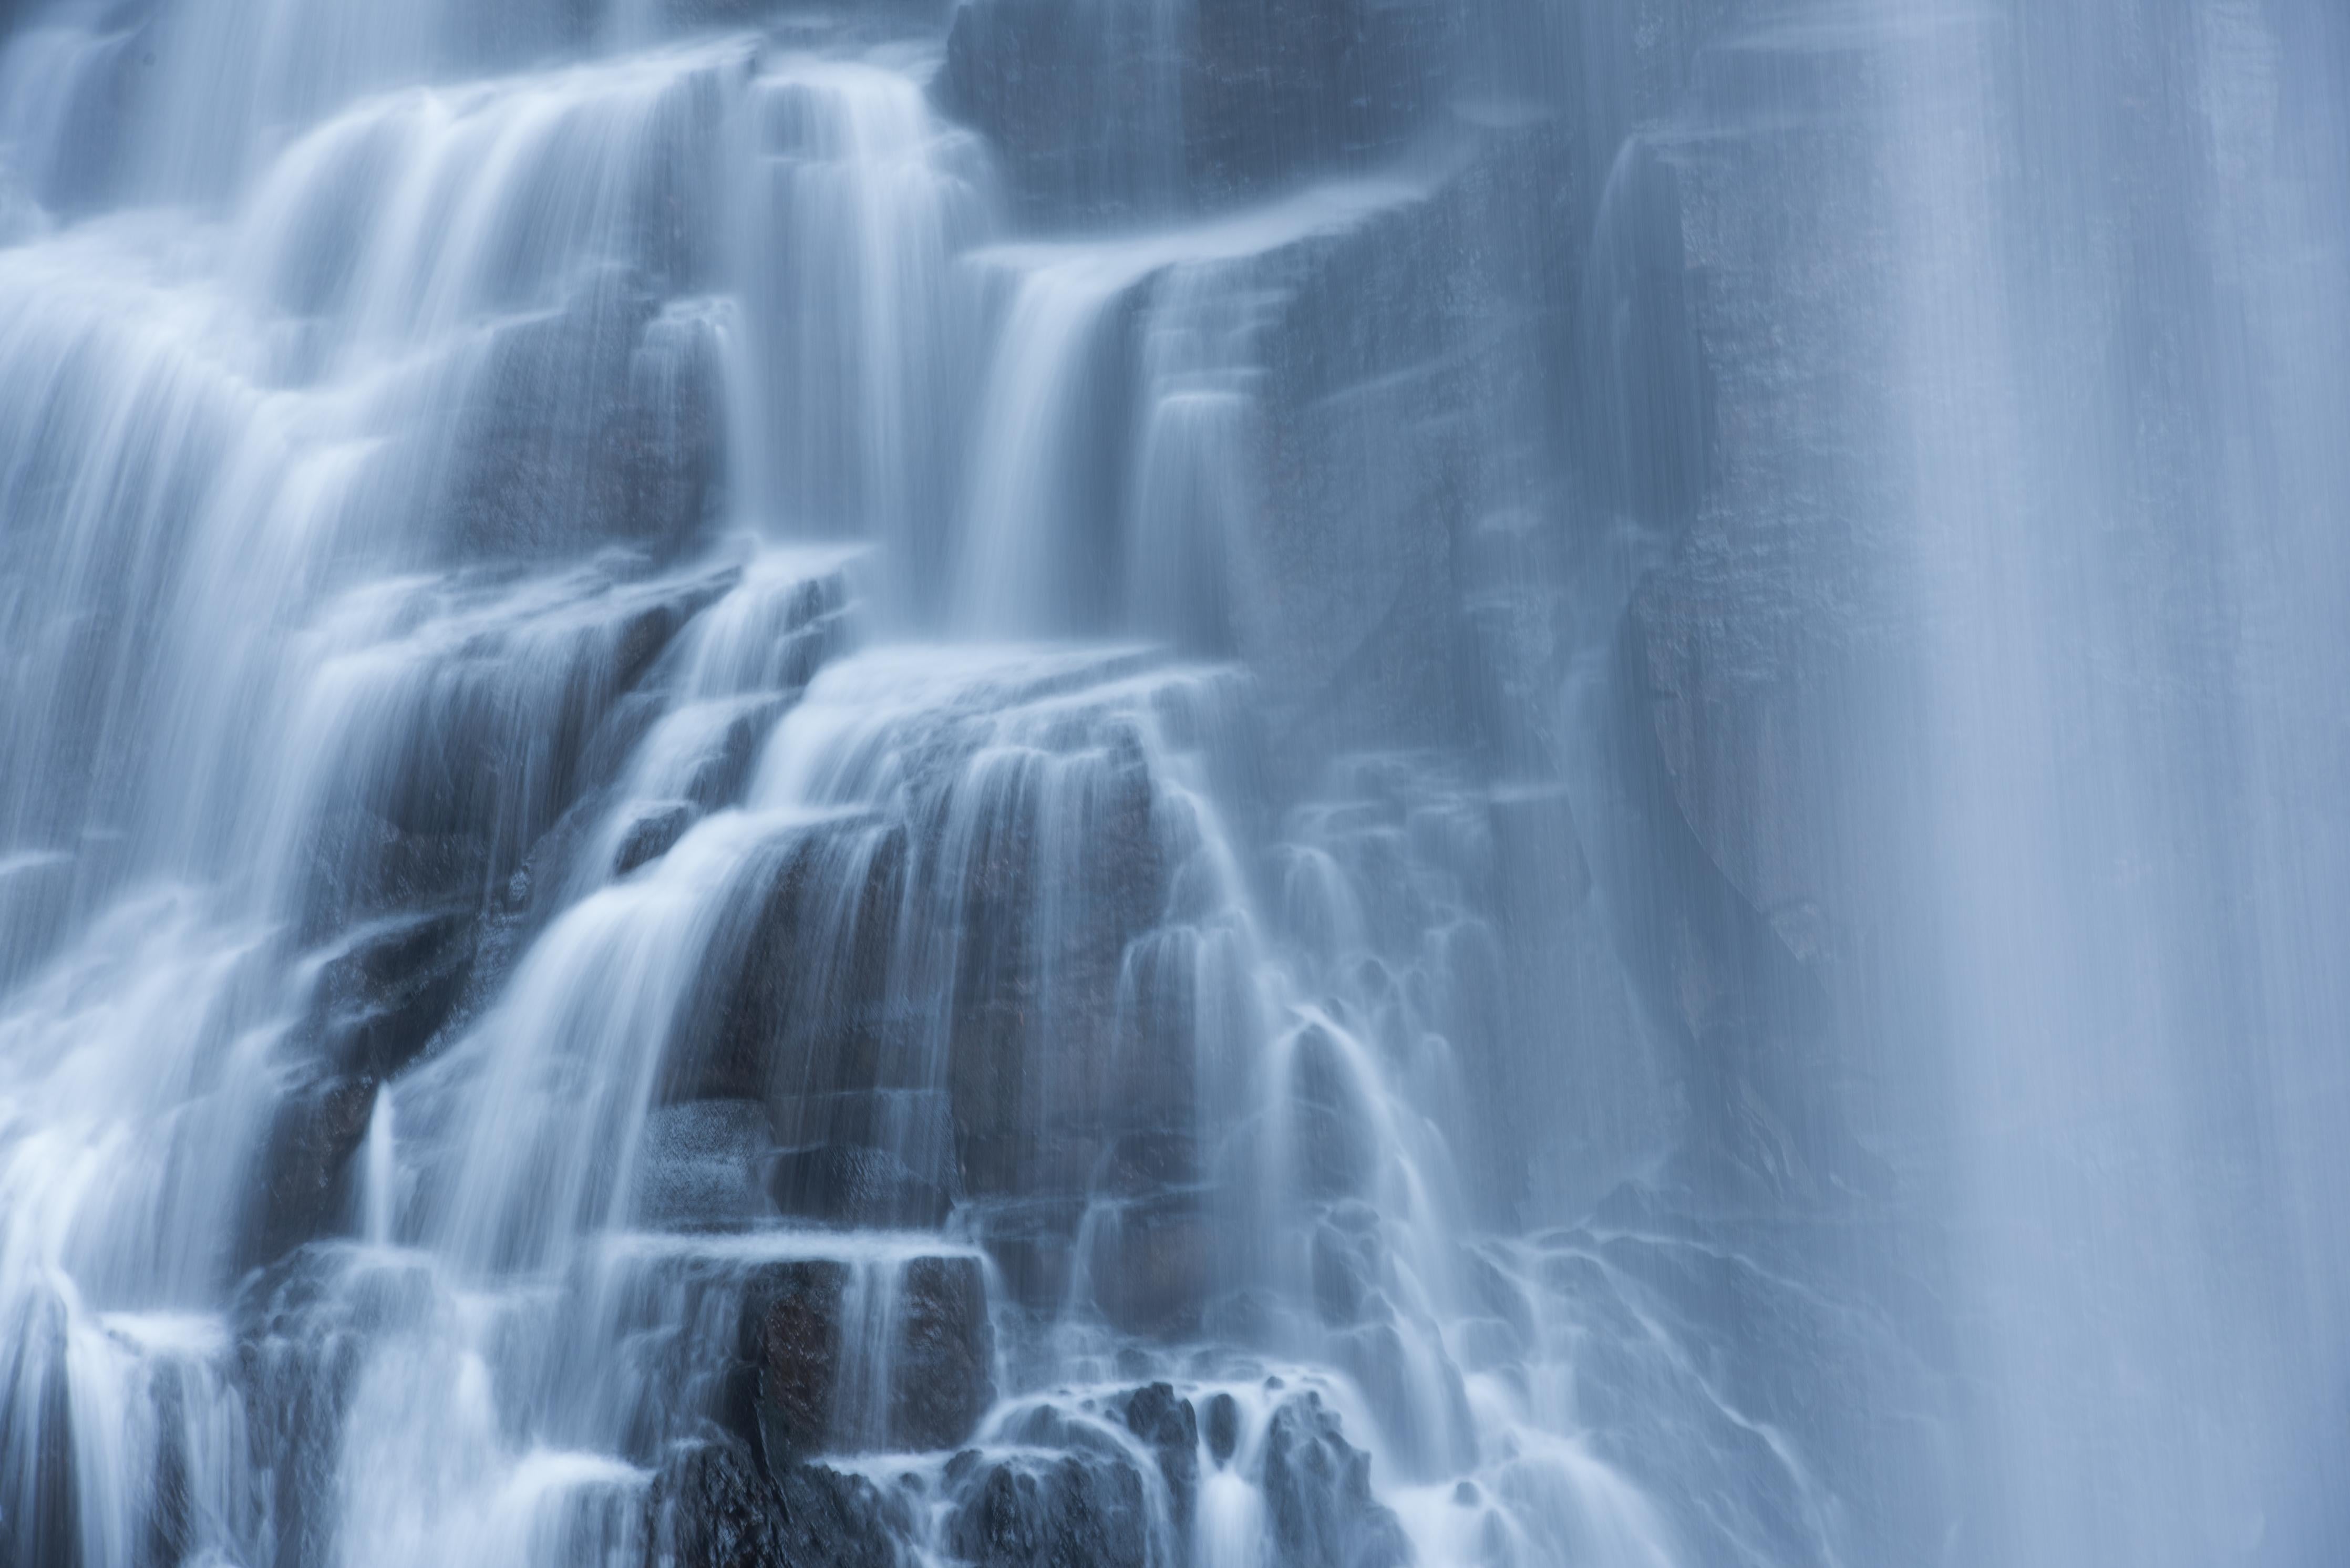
[(1172, 784)]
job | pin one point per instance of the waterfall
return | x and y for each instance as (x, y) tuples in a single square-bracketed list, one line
[(1170, 784)]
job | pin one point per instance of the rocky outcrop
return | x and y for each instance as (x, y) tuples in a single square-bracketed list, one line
[(1081, 1510), (1317, 1495), (476, 749), (1169, 1427)]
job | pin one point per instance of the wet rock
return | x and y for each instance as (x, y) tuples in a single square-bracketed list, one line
[(1035, 1094), (697, 1166), (802, 1003), (484, 728), (714, 1507), (302, 1186), (1345, 1261), (1223, 1427), (1170, 1427), (940, 1354), (1396, 415), (1197, 106), (1334, 1151), (370, 864), (652, 836), (1034, 1246), (597, 424), (1140, 1164), (1081, 1511), (943, 1363), (1153, 1263), (791, 1340), (859, 1187), (382, 999), (1317, 1495)]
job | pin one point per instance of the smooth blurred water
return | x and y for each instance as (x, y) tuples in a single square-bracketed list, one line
[(1510, 784)]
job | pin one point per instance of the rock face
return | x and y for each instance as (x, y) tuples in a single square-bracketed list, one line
[(862, 1188), (599, 424), (942, 1361), (714, 1507), (1194, 103), (804, 1322)]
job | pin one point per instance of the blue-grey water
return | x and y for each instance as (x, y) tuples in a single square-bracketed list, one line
[(1174, 784)]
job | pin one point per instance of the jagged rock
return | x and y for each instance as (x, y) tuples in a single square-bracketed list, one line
[(712, 1507), (1084, 1511), (1171, 1427), (1317, 1495)]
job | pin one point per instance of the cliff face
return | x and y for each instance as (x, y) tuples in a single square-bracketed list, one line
[(1177, 782)]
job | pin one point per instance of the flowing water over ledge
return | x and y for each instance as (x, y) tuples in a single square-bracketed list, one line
[(1165, 784)]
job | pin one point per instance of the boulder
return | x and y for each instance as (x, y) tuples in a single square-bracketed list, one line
[(1223, 1427)]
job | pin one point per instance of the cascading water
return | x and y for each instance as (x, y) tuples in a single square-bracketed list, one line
[(1171, 783)]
